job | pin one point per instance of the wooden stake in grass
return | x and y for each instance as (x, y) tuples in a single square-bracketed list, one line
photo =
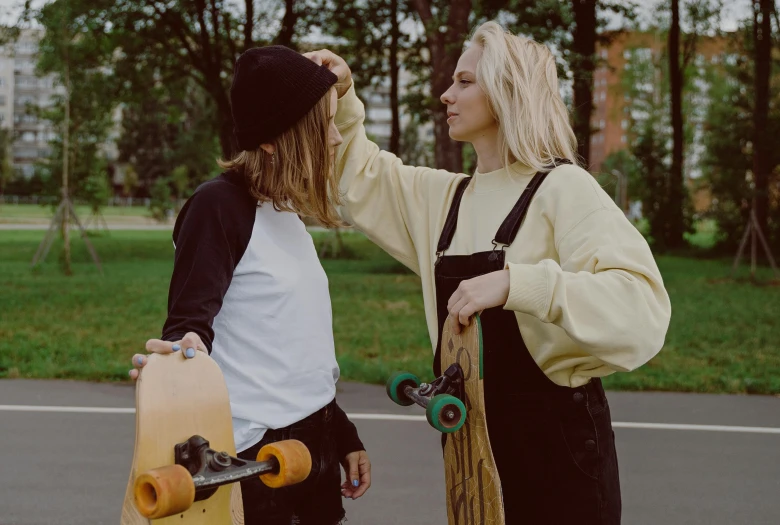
[(65, 210), (753, 230), (65, 140)]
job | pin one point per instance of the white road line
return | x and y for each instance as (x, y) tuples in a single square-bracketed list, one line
[(77, 410), (400, 417), (709, 428)]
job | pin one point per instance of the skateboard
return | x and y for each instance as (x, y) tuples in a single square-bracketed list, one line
[(184, 468), (455, 405)]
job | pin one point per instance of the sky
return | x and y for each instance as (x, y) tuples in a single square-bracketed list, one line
[(731, 14)]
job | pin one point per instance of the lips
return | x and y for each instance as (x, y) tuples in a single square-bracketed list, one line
[(451, 114)]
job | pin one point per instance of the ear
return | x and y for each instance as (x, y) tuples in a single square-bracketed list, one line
[(268, 148)]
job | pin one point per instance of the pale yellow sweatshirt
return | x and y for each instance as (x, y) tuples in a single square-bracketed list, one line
[(584, 286)]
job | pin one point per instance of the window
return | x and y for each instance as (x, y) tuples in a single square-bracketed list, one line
[(2, 81), (624, 124), (27, 153), (623, 139), (2, 100), (380, 114), (603, 96), (28, 136)]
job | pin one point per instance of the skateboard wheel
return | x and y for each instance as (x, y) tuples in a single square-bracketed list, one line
[(395, 387), (446, 413), (164, 491), (294, 462)]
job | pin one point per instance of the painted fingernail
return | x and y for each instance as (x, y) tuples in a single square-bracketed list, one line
[(190, 353), (140, 360), (355, 483), (176, 348)]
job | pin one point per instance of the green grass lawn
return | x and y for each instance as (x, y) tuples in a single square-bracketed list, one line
[(14, 213), (723, 337)]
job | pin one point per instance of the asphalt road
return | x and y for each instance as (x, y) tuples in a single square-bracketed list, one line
[(59, 467)]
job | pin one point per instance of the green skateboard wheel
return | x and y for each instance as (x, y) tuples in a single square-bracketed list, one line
[(446, 413), (396, 384)]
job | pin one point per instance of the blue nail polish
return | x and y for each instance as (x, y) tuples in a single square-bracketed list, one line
[(190, 353), (355, 483), (176, 348), (140, 360)]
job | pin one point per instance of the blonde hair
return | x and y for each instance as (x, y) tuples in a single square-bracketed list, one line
[(299, 177), (520, 81)]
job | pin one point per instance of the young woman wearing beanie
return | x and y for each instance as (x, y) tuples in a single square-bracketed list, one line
[(567, 288), (248, 288)]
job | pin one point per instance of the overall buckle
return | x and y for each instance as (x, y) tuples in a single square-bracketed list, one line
[(494, 255)]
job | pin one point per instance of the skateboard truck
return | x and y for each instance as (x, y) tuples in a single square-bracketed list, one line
[(442, 398), (200, 470), (211, 469), (450, 382)]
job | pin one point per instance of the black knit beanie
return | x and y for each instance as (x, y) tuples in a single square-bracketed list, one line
[(273, 88)]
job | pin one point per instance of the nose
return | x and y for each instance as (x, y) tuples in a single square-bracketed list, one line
[(335, 137), (447, 97)]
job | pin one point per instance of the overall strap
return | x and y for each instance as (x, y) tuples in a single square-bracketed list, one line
[(508, 230), (445, 239)]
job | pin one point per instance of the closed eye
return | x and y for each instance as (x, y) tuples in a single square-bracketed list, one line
[(464, 82)]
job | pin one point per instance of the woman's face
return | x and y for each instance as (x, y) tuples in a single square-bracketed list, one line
[(334, 137), (468, 110)]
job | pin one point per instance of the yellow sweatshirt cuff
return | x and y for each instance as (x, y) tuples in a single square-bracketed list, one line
[(529, 291), (349, 108)]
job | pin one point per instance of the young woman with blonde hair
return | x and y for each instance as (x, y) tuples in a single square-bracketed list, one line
[(567, 288), (247, 286)]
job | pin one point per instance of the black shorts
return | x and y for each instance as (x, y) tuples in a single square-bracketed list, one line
[(315, 501)]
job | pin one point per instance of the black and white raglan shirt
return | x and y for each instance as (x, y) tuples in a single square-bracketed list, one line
[(247, 280)]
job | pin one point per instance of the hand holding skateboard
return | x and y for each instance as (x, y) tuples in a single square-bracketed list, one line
[(191, 343), (475, 295)]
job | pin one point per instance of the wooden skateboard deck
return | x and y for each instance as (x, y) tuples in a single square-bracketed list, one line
[(473, 486), (177, 398)]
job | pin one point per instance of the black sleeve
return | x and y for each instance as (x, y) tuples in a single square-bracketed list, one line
[(347, 439), (211, 234)]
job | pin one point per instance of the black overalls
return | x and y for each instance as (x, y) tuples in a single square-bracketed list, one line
[(553, 446)]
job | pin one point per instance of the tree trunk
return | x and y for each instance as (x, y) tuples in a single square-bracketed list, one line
[(583, 66), (445, 48), (65, 165), (249, 23), (674, 211), (287, 31), (762, 32), (395, 134)]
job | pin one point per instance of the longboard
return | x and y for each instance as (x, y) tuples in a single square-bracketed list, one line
[(473, 486), (455, 405), (184, 468)]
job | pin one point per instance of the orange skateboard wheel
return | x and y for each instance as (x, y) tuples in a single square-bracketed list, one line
[(164, 491), (294, 462)]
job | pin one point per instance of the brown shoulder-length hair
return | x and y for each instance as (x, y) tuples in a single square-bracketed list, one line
[(300, 176)]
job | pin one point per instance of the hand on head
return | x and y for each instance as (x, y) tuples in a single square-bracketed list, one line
[(335, 64)]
